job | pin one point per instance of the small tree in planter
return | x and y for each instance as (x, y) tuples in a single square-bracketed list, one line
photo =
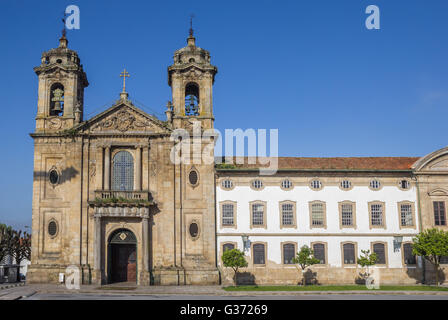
[(432, 244), (305, 258), (234, 259), (366, 261)]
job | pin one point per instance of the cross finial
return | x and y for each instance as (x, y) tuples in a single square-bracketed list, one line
[(191, 24), (124, 75)]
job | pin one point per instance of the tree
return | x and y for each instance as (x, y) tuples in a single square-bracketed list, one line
[(368, 259), (6, 238), (305, 258), (21, 246), (432, 244), (234, 259)]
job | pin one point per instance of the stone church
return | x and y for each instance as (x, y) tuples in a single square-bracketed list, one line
[(108, 199)]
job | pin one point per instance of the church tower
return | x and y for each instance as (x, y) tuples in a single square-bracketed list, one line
[(61, 89), (191, 78)]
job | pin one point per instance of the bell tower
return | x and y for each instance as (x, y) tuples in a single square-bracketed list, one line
[(61, 89), (191, 78)]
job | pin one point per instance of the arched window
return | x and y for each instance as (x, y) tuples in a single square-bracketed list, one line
[(192, 99), (123, 172), (56, 99)]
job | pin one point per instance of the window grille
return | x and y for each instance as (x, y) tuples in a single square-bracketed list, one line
[(317, 214), (288, 253), (380, 251), (316, 184), (257, 214), (349, 253), (123, 172), (404, 184), (259, 254), (227, 184), (376, 211), (319, 252), (228, 246), (409, 257), (286, 184), (346, 184), (287, 214), (227, 214), (257, 184), (375, 184), (347, 214), (406, 215)]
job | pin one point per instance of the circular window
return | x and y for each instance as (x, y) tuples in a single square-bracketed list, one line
[(404, 184), (286, 184), (316, 184), (375, 184), (346, 184), (59, 61), (193, 177), (191, 60), (257, 184), (52, 228), (53, 177), (194, 230), (227, 184)]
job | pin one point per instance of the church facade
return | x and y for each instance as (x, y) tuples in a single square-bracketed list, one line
[(109, 199)]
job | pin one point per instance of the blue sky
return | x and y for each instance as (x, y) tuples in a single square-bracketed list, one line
[(309, 68)]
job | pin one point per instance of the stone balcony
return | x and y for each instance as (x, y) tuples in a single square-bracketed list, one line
[(123, 195)]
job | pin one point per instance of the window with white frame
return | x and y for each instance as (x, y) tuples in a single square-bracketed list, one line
[(257, 184), (406, 215), (346, 184), (349, 253), (317, 214), (259, 253), (319, 252), (228, 214), (257, 214), (380, 250), (376, 215), (347, 214), (375, 184), (286, 184), (404, 184), (287, 214), (227, 184), (315, 184)]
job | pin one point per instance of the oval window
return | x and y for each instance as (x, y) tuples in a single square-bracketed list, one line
[(54, 177), (193, 177), (52, 228), (194, 230)]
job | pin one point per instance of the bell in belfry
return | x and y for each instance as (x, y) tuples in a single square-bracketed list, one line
[(57, 99)]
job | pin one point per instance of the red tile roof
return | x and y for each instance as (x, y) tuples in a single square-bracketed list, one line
[(350, 163)]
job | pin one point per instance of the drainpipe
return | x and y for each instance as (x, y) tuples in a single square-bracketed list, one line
[(420, 224)]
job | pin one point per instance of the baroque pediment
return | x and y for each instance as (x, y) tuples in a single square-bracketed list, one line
[(124, 119)]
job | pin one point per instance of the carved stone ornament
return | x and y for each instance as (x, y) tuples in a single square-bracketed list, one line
[(55, 123), (122, 121)]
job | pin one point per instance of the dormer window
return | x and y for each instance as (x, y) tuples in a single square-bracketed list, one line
[(192, 99)]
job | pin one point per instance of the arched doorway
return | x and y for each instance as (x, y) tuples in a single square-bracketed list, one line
[(122, 256)]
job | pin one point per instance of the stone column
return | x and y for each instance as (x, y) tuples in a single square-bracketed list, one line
[(145, 244), (138, 169), (107, 168), (97, 249)]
